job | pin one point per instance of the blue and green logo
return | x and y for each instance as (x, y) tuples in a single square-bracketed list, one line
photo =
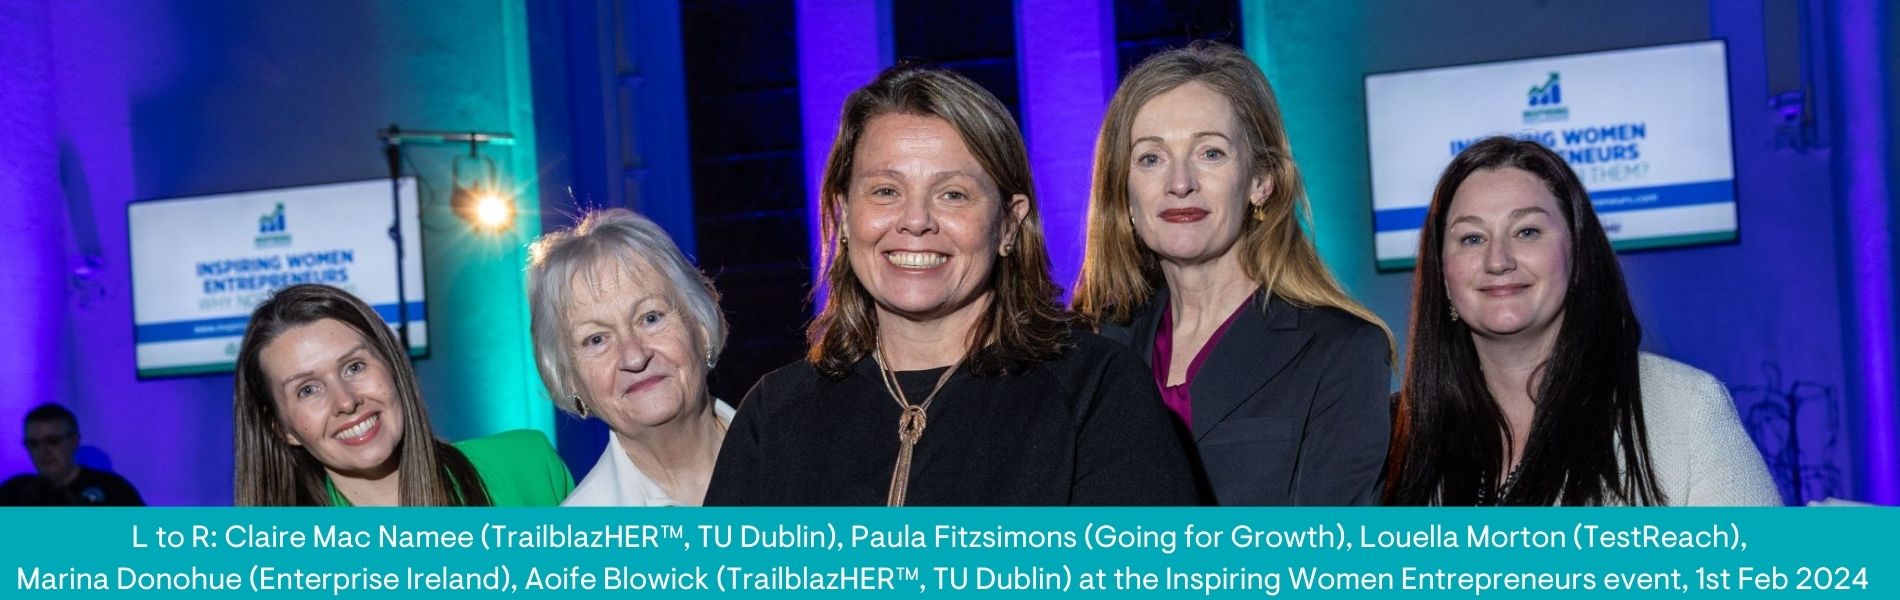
[(272, 229), (1546, 100)]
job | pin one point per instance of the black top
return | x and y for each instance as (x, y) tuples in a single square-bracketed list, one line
[(100, 488), (1292, 407), (1084, 428)]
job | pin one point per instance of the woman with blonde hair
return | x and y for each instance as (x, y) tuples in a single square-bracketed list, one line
[(1196, 258)]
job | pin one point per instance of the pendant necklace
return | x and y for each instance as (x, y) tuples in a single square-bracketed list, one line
[(1488, 498), (910, 426)]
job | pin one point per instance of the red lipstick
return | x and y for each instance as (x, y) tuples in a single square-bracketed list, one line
[(1183, 215)]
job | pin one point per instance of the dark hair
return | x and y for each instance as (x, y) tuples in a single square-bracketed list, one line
[(1588, 444), (1025, 322), (271, 472), (52, 411)]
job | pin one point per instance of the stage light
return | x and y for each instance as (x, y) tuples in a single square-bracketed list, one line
[(493, 212), (486, 209), (479, 197)]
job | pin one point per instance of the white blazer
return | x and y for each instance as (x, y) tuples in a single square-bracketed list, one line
[(1701, 453), (614, 481)]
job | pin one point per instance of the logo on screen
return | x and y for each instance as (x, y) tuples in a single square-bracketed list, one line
[(272, 231), (1546, 101)]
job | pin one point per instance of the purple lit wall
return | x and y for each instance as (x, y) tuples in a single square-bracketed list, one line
[(66, 174), (104, 102), (842, 44), (1066, 57), (1066, 60), (170, 437), (1862, 135), (32, 246)]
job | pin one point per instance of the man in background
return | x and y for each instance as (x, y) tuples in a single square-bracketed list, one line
[(52, 438)]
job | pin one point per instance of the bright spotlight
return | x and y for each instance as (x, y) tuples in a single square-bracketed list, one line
[(493, 212), (486, 210)]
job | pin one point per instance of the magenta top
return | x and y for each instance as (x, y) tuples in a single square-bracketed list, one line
[(1176, 396)]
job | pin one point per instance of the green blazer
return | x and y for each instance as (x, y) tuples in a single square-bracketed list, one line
[(519, 468)]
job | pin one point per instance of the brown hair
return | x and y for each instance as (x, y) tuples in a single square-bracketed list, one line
[(271, 472), (1024, 322), (1588, 443), (1120, 274)]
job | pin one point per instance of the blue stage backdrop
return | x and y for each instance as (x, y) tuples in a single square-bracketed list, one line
[(109, 101)]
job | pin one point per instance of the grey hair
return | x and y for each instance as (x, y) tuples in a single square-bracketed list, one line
[(558, 257)]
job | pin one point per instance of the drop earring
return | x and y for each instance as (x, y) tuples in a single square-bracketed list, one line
[(1454, 314)]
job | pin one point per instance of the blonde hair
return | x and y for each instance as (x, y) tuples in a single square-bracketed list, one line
[(1119, 273)]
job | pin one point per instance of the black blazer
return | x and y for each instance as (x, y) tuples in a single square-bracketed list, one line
[(1292, 406)]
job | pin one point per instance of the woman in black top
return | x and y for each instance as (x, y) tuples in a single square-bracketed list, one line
[(942, 370)]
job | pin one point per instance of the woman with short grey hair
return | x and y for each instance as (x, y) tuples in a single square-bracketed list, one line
[(626, 328)]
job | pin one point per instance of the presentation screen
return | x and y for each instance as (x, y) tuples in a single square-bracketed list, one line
[(200, 265), (1646, 129)]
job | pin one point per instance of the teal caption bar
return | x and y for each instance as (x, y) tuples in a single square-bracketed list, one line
[(1227, 553)]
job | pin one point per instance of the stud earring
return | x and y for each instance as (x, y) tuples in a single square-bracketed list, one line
[(580, 408), (709, 360)]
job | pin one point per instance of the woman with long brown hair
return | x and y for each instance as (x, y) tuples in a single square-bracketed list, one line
[(329, 413)]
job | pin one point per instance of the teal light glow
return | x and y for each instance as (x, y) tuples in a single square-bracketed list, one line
[(464, 66), (1253, 30), (1319, 114), (1317, 78)]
